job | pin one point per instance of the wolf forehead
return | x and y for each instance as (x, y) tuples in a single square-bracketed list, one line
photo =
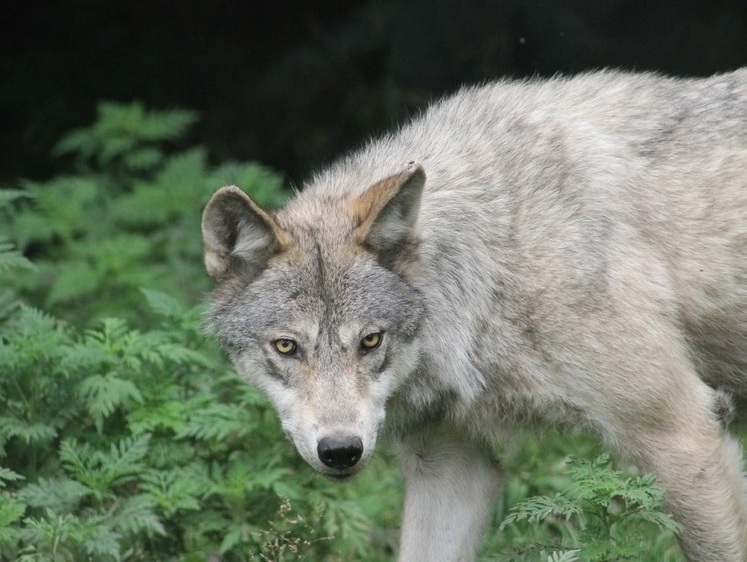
[(315, 282)]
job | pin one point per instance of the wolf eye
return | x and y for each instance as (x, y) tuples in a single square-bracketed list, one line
[(285, 346), (371, 341)]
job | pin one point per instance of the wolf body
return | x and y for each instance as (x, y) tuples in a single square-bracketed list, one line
[(565, 252)]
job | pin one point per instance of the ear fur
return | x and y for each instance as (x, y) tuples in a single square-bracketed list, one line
[(388, 210), (237, 232)]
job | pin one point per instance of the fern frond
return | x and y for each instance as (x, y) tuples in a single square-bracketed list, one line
[(170, 414), (38, 433), (121, 129), (565, 556), (163, 304), (136, 515), (537, 508), (218, 422), (7, 475), (10, 258), (173, 490), (124, 459), (59, 494), (7, 196), (103, 394), (100, 470), (100, 541), (11, 510)]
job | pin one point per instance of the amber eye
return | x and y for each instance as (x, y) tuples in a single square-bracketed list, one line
[(285, 346), (371, 341)]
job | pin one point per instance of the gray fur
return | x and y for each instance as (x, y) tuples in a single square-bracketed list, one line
[(571, 251)]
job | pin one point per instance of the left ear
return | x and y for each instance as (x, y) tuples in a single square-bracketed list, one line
[(388, 210)]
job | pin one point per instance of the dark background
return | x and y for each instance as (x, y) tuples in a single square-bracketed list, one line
[(293, 84)]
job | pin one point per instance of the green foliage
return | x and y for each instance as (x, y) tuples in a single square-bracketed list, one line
[(610, 516), (126, 135), (127, 217), (11, 260)]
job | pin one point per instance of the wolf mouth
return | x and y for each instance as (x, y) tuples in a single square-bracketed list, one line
[(340, 477)]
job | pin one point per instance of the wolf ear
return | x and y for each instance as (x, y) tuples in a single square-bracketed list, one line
[(237, 233), (388, 210)]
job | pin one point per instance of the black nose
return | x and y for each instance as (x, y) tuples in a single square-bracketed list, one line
[(339, 452)]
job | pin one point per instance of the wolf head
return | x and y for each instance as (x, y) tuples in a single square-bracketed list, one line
[(313, 306)]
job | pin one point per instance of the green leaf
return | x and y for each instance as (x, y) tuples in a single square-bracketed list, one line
[(173, 490), (148, 418), (101, 541), (566, 556), (218, 422), (37, 433), (103, 394), (135, 515), (11, 259), (538, 508), (7, 475), (121, 128), (7, 196), (11, 510), (178, 189), (100, 470), (62, 208), (144, 158), (163, 304), (59, 494), (74, 280)]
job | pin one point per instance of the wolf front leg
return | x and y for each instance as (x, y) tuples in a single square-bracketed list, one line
[(450, 488)]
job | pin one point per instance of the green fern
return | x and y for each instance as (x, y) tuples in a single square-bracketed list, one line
[(12, 510), (12, 261), (136, 515), (612, 512), (219, 422), (10, 258), (566, 556), (126, 217), (102, 471), (61, 494), (126, 132), (175, 490)]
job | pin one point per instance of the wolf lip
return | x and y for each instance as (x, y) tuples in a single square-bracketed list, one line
[(340, 477)]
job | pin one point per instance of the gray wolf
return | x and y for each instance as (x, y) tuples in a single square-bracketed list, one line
[(567, 252)]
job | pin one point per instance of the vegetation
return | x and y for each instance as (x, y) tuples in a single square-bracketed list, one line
[(124, 433)]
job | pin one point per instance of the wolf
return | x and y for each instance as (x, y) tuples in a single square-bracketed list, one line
[(566, 252)]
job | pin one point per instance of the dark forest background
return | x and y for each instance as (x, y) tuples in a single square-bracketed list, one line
[(293, 84)]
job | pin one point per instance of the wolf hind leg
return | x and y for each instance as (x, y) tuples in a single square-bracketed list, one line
[(450, 488), (700, 466)]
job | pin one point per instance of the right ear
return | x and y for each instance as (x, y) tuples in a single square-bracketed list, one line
[(237, 233)]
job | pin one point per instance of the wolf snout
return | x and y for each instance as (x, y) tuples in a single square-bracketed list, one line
[(340, 452)]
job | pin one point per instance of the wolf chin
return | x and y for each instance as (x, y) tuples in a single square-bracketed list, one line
[(568, 252)]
